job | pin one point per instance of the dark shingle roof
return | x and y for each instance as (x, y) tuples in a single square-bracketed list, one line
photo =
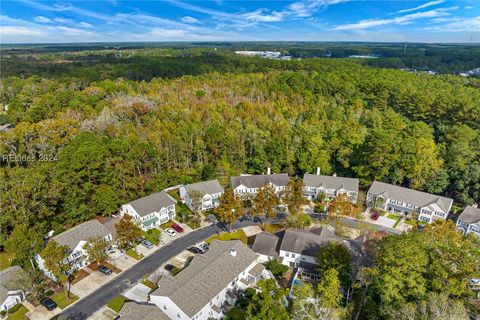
[(152, 203), (330, 182), (141, 311), (8, 278), (83, 231), (266, 244), (417, 198), (206, 276), (305, 242), (205, 187), (470, 215), (260, 180)]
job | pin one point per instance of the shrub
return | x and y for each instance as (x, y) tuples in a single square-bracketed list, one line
[(319, 208), (276, 268), (15, 308)]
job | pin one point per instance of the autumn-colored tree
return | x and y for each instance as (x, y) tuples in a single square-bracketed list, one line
[(341, 205), (293, 195), (128, 232), (265, 201), (230, 207), (96, 248), (56, 262)]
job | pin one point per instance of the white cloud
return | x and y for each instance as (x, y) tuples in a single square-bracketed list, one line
[(423, 6), (42, 19), (468, 7), (188, 19), (84, 24), (456, 24), (261, 15), (63, 20), (14, 31), (402, 20)]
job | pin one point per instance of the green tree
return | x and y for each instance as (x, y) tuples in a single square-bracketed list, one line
[(268, 303), (96, 248), (55, 260), (278, 269), (24, 242), (34, 283), (329, 289), (299, 220), (335, 256), (293, 195), (265, 201), (127, 232)]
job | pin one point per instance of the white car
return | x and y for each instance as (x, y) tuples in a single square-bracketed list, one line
[(170, 232)]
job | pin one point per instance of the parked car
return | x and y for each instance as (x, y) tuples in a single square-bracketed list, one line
[(195, 250), (374, 216), (204, 246), (170, 232), (169, 267), (177, 228), (147, 244), (257, 220), (48, 303), (281, 216), (212, 218), (105, 270)]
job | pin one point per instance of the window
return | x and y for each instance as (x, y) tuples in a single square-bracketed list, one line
[(287, 254), (293, 255)]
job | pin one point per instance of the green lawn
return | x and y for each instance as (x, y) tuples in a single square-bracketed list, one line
[(5, 259), (393, 216), (225, 236), (62, 301), (135, 255), (149, 284), (411, 222), (116, 303), (152, 236), (273, 228), (166, 225), (19, 315)]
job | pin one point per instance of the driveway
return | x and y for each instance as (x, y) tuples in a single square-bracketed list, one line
[(40, 313), (88, 305), (91, 283)]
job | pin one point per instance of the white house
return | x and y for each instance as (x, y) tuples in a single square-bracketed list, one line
[(249, 185), (202, 195), (469, 220), (76, 239), (10, 293), (210, 281), (404, 201), (266, 246), (151, 211), (330, 186)]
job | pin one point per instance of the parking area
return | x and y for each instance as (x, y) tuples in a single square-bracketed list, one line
[(95, 280)]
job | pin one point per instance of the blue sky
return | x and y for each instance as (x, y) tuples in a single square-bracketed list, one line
[(51, 21)]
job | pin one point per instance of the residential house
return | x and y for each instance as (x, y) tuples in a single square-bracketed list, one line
[(210, 281), (132, 310), (330, 186), (404, 201), (76, 239), (10, 293), (151, 211), (469, 220), (266, 246), (6, 127), (299, 247), (201, 196), (249, 185)]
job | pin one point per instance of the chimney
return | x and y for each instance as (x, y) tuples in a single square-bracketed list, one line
[(268, 170), (318, 171), (233, 252), (475, 205)]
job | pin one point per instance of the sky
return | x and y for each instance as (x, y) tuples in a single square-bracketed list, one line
[(52, 21)]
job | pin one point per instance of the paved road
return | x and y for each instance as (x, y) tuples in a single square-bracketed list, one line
[(88, 305)]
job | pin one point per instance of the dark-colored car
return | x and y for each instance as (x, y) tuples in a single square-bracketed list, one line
[(195, 250), (105, 270), (281, 216), (374, 216), (147, 244), (169, 267), (48, 303), (257, 220), (177, 228)]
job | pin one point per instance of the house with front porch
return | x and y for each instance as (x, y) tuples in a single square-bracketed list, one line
[(201, 196), (210, 281), (469, 221), (76, 239), (150, 211), (10, 292), (249, 185), (404, 201), (329, 186)]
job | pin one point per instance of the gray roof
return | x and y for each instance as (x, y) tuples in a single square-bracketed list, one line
[(266, 243), (8, 278), (152, 203), (141, 311), (417, 198), (260, 180), (110, 223), (206, 275), (305, 242), (84, 231), (205, 187), (470, 215), (330, 182), (257, 270)]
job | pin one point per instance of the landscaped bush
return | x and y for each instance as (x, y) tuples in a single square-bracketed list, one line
[(319, 208), (15, 308), (134, 254), (276, 268)]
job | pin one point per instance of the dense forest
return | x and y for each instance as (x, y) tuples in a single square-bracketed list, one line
[(82, 147)]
